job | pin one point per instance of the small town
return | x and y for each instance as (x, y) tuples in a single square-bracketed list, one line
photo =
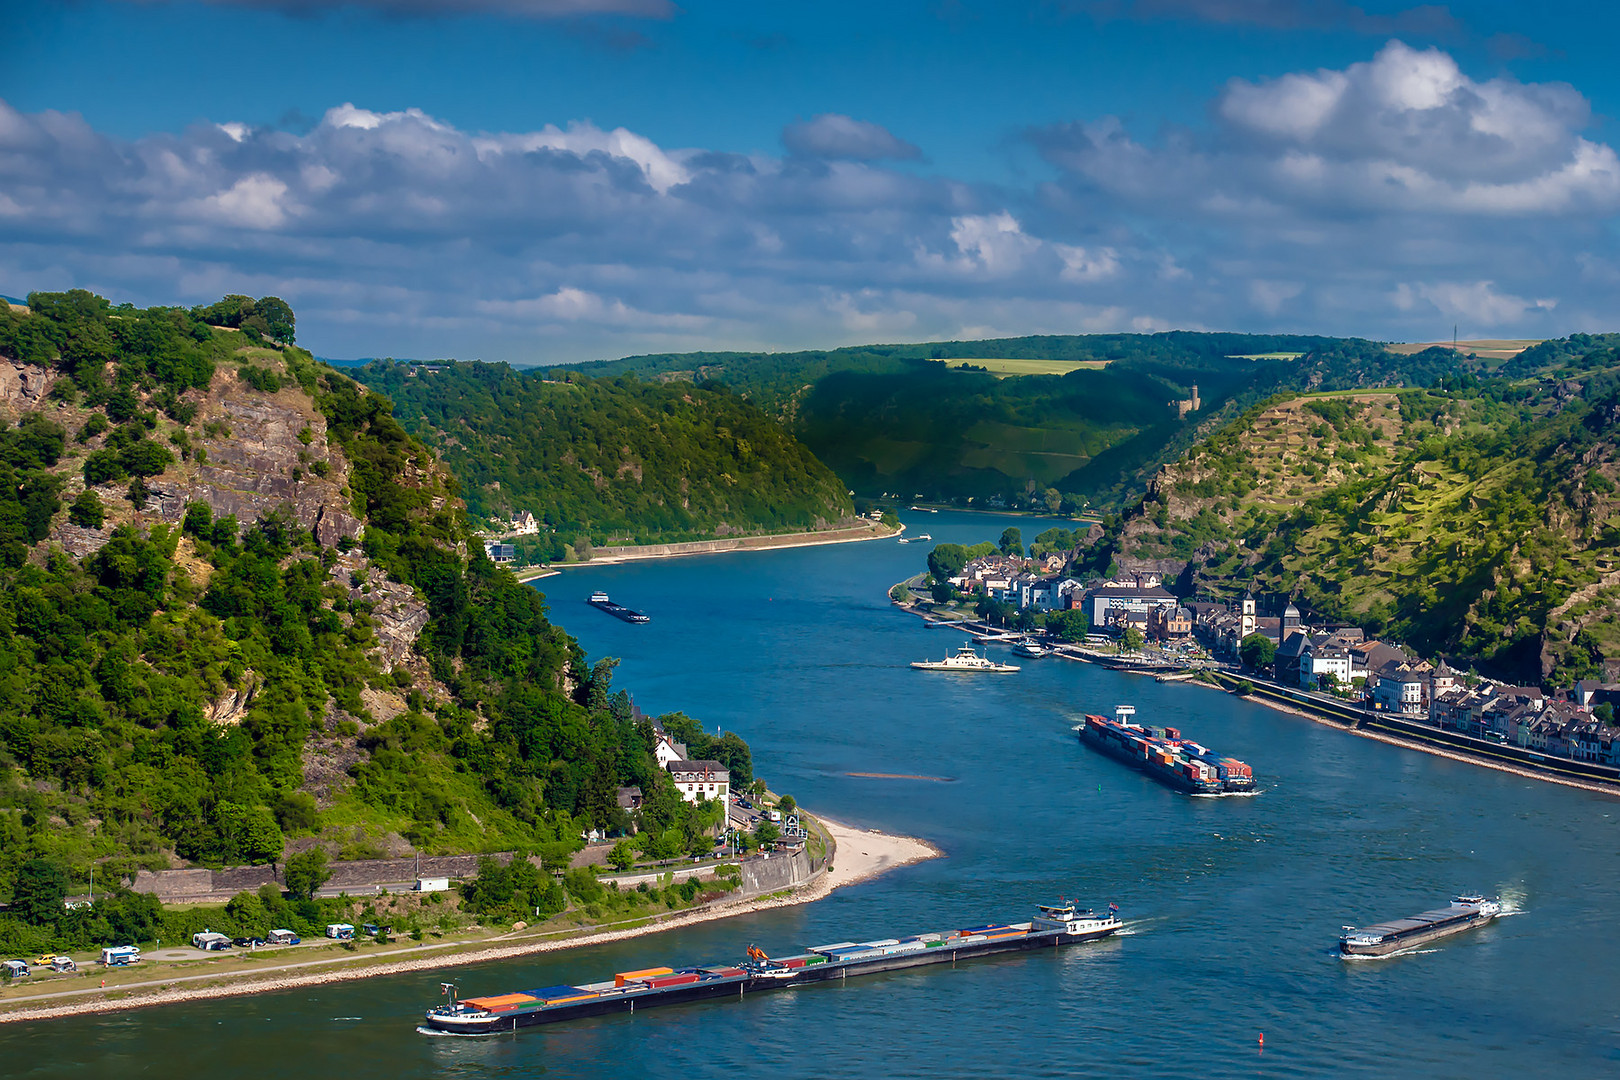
[(1141, 625)]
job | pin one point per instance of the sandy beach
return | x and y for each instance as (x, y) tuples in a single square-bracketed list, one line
[(860, 855)]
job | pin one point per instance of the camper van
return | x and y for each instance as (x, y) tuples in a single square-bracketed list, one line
[(432, 884), (341, 930), (16, 968), (282, 937), (120, 955), (210, 941)]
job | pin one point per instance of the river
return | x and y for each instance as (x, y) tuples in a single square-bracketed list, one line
[(1234, 905)]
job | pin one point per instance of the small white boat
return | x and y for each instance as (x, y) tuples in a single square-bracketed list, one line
[(966, 659), (1030, 647)]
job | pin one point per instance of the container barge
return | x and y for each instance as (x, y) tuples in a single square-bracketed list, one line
[(1165, 755), (1381, 939), (600, 601), (647, 988)]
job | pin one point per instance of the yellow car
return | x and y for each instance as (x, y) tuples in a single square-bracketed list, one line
[(42, 960)]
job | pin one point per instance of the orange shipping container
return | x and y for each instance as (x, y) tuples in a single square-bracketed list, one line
[(637, 976)]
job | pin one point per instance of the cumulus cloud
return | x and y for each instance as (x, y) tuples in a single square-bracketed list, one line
[(1389, 199), (835, 136)]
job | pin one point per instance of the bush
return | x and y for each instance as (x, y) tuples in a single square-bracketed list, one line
[(87, 511)]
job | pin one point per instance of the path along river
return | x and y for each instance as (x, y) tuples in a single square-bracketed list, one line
[(1235, 904)]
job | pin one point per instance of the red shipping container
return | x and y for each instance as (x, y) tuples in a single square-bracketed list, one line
[(672, 980)]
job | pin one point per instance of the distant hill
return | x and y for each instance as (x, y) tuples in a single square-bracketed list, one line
[(616, 460), (898, 418), (1477, 519)]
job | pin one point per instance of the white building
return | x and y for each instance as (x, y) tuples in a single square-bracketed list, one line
[(1100, 601), (668, 750), (701, 780), (525, 525)]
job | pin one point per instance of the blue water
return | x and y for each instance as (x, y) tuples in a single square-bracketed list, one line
[(1235, 905)]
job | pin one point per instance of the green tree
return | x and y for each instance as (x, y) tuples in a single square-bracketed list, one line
[(87, 511), (38, 892), (1070, 624), (766, 832), (1132, 639), (279, 321), (622, 856), (1257, 651), (1012, 541), (306, 872), (947, 560)]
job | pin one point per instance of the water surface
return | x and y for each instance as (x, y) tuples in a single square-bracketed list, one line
[(1235, 904)]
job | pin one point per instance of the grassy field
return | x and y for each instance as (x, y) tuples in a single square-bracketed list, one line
[(1008, 368), (1484, 348)]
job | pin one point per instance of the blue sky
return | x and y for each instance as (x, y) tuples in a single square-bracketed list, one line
[(555, 180)]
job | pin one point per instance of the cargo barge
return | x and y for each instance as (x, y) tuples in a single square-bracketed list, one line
[(647, 988), (1165, 755), (1381, 939), (599, 600)]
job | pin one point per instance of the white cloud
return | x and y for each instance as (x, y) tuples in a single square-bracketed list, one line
[(1368, 200), (257, 201), (1477, 303), (833, 136), (1087, 264), (995, 243)]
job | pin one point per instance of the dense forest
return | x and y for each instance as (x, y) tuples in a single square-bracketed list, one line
[(604, 461), (896, 418), (1476, 518), (116, 666)]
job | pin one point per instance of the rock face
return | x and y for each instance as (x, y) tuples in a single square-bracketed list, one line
[(22, 386), (275, 446)]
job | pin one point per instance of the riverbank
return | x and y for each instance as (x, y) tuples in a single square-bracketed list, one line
[(871, 530), (857, 855), (1528, 772), (1197, 677)]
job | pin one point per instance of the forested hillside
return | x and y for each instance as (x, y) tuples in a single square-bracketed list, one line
[(239, 615), (611, 460), (895, 418), (1477, 519)]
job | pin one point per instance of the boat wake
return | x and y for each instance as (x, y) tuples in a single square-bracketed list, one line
[(1387, 956), (423, 1029), (1224, 794)]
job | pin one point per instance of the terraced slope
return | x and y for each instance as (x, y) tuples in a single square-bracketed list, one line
[(1478, 521)]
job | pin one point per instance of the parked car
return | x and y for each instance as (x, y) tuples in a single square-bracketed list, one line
[(42, 960), (247, 942)]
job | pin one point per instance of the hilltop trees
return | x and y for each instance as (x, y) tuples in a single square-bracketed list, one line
[(601, 461), (174, 686)]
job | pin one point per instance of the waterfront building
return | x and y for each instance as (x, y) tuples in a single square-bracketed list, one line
[(701, 780)]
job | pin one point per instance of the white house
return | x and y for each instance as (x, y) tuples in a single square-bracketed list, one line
[(668, 750), (1401, 688), (525, 525), (701, 779)]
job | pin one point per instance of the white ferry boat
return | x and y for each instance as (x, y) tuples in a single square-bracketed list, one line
[(966, 659), (1030, 647)]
